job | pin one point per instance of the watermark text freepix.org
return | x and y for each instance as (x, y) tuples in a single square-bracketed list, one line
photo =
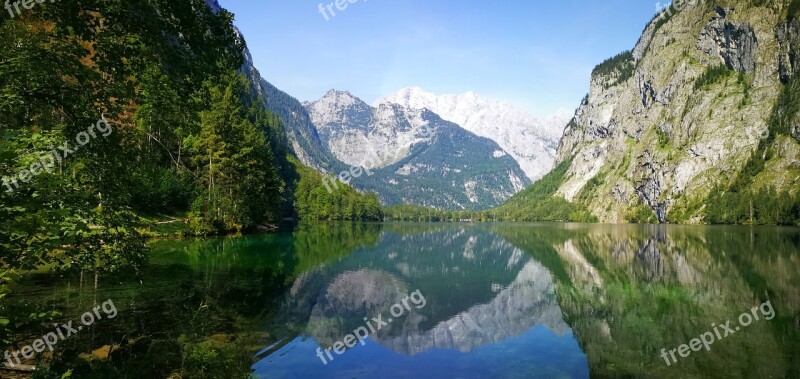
[(27, 4), (377, 323), (49, 340), (719, 332), (678, 5), (369, 163), (47, 162), (341, 5)]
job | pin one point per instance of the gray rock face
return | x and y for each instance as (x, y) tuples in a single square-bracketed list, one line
[(529, 140), (648, 184), (735, 44), (644, 42), (788, 35), (796, 132)]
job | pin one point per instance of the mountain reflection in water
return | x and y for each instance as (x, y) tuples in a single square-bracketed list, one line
[(480, 293), (501, 301)]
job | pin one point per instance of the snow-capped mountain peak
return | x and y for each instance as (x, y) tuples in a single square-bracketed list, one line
[(529, 140)]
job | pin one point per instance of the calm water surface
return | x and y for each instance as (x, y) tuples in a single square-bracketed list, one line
[(497, 301)]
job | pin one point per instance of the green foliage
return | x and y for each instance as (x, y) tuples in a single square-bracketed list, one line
[(794, 10), (70, 216), (6, 327), (133, 71), (407, 212), (239, 179), (641, 214), (743, 201), (161, 189), (685, 210), (786, 110), (621, 65), (740, 203), (663, 138), (713, 75), (189, 133), (540, 202), (326, 199), (766, 206), (202, 360), (591, 188), (743, 81)]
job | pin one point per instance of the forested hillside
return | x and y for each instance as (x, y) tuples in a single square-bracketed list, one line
[(331, 199), (111, 110)]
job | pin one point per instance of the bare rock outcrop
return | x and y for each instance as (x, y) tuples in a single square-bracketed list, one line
[(735, 44)]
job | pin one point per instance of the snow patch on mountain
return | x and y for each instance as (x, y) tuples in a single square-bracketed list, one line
[(531, 141)]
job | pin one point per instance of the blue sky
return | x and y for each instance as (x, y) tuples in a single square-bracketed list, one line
[(532, 53)]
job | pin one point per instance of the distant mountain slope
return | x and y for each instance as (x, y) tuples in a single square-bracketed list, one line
[(414, 156), (301, 132), (530, 141)]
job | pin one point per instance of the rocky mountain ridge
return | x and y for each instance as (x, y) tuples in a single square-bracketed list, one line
[(414, 156)]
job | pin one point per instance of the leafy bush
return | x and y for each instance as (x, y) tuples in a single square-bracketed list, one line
[(6, 278)]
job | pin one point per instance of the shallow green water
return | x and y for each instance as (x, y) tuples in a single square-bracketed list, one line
[(493, 301)]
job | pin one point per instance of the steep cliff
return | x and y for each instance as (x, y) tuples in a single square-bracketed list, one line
[(705, 104)]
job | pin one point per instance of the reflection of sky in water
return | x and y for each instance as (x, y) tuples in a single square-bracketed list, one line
[(538, 352)]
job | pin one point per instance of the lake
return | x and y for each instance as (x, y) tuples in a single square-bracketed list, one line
[(464, 300)]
